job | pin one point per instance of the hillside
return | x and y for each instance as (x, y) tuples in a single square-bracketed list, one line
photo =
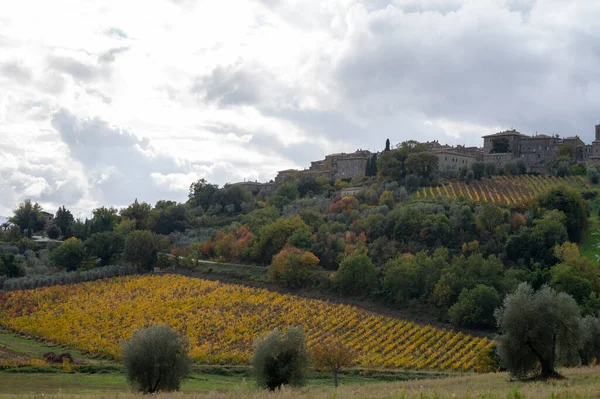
[(223, 320), (504, 191)]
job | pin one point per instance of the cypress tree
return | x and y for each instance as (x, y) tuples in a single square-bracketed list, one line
[(387, 144)]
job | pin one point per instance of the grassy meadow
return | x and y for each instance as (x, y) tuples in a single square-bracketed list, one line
[(580, 383)]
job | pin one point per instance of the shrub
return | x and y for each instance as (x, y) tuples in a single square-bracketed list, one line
[(142, 248), (70, 254), (293, 267), (475, 307), (593, 175), (156, 359), (53, 232), (357, 275), (281, 358)]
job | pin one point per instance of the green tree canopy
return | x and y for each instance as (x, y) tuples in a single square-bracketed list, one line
[(572, 204), (357, 275), (538, 327), (70, 254), (281, 358), (201, 193), (107, 246), (64, 220), (142, 248), (28, 215), (156, 359)]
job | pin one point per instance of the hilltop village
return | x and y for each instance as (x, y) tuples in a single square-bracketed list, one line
[(537, 152)]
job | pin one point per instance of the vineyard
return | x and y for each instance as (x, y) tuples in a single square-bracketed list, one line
[(505, 191), (223, 320)]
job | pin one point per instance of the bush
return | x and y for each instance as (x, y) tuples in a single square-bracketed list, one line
[(142, 248), (293, 267), (156, 359), (53, 232), (357, 275), (30, 282), (593, 175), (281, 358), (70, 254), (475, 307)]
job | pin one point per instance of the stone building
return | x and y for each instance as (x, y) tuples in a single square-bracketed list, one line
[(453, 160), (539, 151), (333, 167)]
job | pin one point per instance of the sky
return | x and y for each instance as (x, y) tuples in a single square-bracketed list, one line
[(106, 101)]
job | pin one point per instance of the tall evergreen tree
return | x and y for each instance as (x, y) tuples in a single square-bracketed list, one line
[(387, 144)]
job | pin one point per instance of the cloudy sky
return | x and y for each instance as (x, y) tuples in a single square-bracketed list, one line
[(105, 101)]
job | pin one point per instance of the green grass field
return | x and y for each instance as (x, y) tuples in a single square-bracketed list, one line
[(580, 383)]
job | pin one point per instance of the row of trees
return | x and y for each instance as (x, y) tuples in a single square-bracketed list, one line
[(156, 359)]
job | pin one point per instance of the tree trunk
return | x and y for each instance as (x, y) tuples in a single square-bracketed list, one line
[(335, 378)]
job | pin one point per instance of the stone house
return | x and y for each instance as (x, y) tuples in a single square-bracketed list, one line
[(450, 159)]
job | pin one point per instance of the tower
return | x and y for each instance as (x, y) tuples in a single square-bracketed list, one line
[(597, 132)]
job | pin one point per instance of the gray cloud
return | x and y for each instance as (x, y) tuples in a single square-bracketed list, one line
[(110, 55), (230, 85), (118, 163), (17, 71), (73, 67)]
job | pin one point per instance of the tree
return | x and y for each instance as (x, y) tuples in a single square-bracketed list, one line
[(104, 219), (576, 275), (423, 164), (138, 212), (9, 266), (107, 246), (475, 307), (80, 229), (478, 169), (166, 220), (332, 356), (538, 327), (53, 232), (274, 236), (201, 193), (28, 215), (156, 359), (387, 144), (142, 248), (357, 275), (281, 358), (70, 254), (371, 168), (563, 169), (500, 145), (572, 204), (593, 175), (293, 267), (288, 190), (64, 220), (590, 347)]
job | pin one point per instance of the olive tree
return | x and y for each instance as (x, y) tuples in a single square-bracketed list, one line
[(281, 358), (539, 329), (590, 348), (156, 359)]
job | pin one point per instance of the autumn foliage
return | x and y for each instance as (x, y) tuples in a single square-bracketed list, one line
[(293, 267), (505, 191), (223, 320)]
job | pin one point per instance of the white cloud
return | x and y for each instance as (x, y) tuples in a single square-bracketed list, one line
[(100, 106)]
